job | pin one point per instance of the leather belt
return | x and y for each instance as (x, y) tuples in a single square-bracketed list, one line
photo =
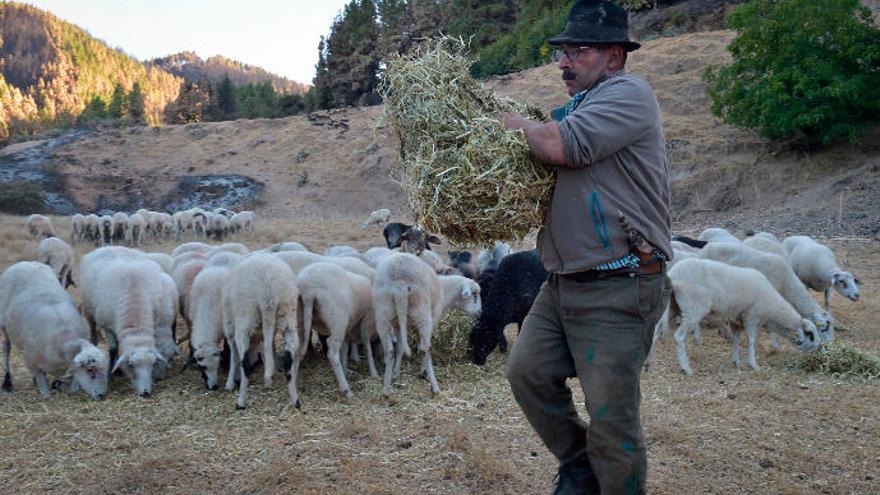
[(591, 275)]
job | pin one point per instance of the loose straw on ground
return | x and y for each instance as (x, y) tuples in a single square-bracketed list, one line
[(467, 177)]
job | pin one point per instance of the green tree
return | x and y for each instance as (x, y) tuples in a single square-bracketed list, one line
[(96, 110), (136, 104), (802, 69), (227, 106), (118, 103)]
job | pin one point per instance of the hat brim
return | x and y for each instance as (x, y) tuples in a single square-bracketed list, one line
[(568, 40)]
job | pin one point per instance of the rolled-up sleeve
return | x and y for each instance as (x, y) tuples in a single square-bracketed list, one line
[(619, 113)]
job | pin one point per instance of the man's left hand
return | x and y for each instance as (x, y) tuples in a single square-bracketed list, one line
[(512, 120)]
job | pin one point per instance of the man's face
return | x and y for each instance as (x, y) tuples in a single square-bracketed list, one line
[(584, 68)]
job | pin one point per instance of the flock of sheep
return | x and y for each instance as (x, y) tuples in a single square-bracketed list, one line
[(225, 294), (231, 298), (758, 281), (144, 226)]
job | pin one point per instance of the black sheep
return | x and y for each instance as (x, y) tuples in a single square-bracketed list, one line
[(512, 291)]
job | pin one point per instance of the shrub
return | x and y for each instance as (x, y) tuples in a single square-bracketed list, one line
[(21, 198), (802, 69)]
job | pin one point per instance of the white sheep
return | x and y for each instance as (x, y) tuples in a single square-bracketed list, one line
[(261, 294), (58, 255), (218, 225), (377, 217), (92, 229), (184, 274), (780, 275), (39, 227), (233, 247), (161, 225), (297, 260), (183, 221), (342, 251), (816, 266), (122, 294), (286, 246), (77, 228), (39, 318), (702, 287), (166, 311), (165, 261), (243, 222), (206, 315), (489, 260), (406, 289), (106, 230), (120, 227), (192, 246), (375, 255), (137, 227), (223, 259), (338, 305), (762, 243), (717, 234)]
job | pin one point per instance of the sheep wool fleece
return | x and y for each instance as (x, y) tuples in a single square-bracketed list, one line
[(601, 332)]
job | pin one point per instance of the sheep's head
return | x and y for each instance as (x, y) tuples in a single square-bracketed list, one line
[(207, 360), (138, 365), (823, 323), (88, 371), (846, 285), (416, 240), (807, 336), (469, 297)]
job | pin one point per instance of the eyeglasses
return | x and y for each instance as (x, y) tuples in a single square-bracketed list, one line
[(572, 53)]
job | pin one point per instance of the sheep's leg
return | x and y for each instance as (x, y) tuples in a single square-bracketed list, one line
[(383, 329), (7, 377), (752, 335), (334, 346), (294, 350), (353, 352), (365, 341), (242, 341), (735, 355), (425, 330), (42, 383), (268, 345), (680, 346), (234, 359), (344, 354), (112, 347), (828, 301)]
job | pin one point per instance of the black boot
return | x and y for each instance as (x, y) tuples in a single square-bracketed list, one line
[(576, 478)]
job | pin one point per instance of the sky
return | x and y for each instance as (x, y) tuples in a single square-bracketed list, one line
[(280, 36)]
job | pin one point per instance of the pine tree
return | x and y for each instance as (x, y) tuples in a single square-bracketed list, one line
[(225, 97), (118, 103), (136, 104)]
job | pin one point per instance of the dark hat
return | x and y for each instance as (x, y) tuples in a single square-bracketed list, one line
[(596, 22)]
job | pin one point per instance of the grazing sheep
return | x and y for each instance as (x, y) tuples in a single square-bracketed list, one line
[(183, 221), (39, 227), (120, 227), (513, 289), (165, 261), (167, 308), (286, 246), (223, 211), (261, 294), (233, 247), (816, 266), (207, 322), (297, 260), (106, 230), (77, 228), (702, 287), (338, 305), (243, 222), (218, 225), (407, 290), (58, 255), (780, 275), (186, 258), (463, 262), (342, 251), (764, 244), (122, 294), (39, 318), (137, 227), (161, 225), (375, 255), (411, 239), (489, 260), (717, 234), (92, 229), (378, 217), (224, 259), (183, 275), (192, 246)]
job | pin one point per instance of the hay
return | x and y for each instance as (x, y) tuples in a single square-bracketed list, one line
[(451, 340), (467, 176), (839, 360)]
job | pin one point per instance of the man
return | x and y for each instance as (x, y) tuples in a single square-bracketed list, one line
[(604, 241)]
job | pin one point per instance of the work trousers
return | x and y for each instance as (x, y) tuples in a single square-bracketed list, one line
[(600, 331)]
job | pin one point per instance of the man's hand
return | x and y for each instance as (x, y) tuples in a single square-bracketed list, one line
[(545, 142)]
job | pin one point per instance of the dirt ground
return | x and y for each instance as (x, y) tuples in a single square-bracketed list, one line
[(721, 431)]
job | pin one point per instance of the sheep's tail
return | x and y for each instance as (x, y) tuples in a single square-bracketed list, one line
[(690, 241), (401, 303), (308, 304)]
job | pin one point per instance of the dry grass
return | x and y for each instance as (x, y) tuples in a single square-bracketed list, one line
[(467, 176), (839, 360)]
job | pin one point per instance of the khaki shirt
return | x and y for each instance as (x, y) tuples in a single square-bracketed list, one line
[(616, 154)]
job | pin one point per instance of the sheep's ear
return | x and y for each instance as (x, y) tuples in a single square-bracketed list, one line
[(465, 291), (119, 363), (835, 279), (857, 281), (433, 239)]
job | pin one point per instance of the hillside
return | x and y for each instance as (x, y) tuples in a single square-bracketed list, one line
[(326, 163), (192, 68)]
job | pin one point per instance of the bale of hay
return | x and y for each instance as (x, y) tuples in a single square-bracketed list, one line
[(467, 176), (450, 342), (840, 360)]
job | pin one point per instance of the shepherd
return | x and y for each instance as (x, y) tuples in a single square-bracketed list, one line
[(605, 242)]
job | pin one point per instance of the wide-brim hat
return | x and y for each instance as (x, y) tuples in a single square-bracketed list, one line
[(596, 22)]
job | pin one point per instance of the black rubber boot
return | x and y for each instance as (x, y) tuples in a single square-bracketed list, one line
[(576, 478)]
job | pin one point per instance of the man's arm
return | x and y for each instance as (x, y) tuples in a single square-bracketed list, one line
[(544, 139)]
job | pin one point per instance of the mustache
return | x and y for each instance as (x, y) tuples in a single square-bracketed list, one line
[(568, 75)]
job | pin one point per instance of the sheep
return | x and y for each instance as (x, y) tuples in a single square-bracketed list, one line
[(701, 287), (342, 251), (39, 227), (186, 258), (58, 255), (261, 293), (816, 266), (764, 235), (463, 262), (120, 227), (405, 288), (764, 244), (338, 304), (298, 260), (92, 228), (106, 230), (207, 322), (375, 255), (39, 318), (223, 211), (233, 247), (122, 294), (165, 261), (717, 234), (780, 275), (378, 217), (183, 275), (489, 260), (192, 246), (137, 227), (183, 220), (243, 222), (223, 259), (286, 246), (167, 308), (77, 228), (411, 239), (161, 225), (218, 227), (510, 295)]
